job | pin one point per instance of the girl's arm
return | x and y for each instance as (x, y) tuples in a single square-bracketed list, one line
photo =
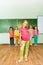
[(20, 36), (33, 32), (15, 33), (9, 31), (20, 40), (38, 31), (28, 32)]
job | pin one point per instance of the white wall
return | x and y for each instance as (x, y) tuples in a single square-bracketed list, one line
[(20, 8), (40, 24), (4, 38)]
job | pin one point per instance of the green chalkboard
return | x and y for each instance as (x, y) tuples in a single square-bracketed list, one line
[(6, 23)]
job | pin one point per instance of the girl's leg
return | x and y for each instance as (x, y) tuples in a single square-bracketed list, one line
[(17, 39), (35, 40), (27, 48), (11, 41), (30, 40), (22, 50)]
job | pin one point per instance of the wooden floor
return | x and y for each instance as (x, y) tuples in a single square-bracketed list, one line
[(9, 55)]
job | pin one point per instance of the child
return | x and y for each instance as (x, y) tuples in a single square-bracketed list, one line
[(25, 39), (35, 36), (11, 33), (31, 34), (17, 35)]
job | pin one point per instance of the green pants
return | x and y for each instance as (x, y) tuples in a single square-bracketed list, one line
[(24, 47), (35, 39)]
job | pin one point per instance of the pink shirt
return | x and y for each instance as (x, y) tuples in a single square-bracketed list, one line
[(25, 34), (31, 31), (35, 32)]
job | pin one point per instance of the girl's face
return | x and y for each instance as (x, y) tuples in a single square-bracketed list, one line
[(16, 28), (30, 27), (10, 28), (25, 23), (35, 27)]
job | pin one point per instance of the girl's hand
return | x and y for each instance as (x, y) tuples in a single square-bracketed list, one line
[(32, 35), (20, 44)]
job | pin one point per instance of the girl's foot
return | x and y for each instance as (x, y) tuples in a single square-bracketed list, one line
[(35, 45), (31, 44), (16, 45), (18, 61), (26, 59)]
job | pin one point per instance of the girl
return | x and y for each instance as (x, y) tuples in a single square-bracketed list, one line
[(31, 34), (25, 39), (35, 36), (17, 35), (11, 33)]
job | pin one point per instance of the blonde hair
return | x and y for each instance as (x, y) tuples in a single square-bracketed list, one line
[(23, 22)]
